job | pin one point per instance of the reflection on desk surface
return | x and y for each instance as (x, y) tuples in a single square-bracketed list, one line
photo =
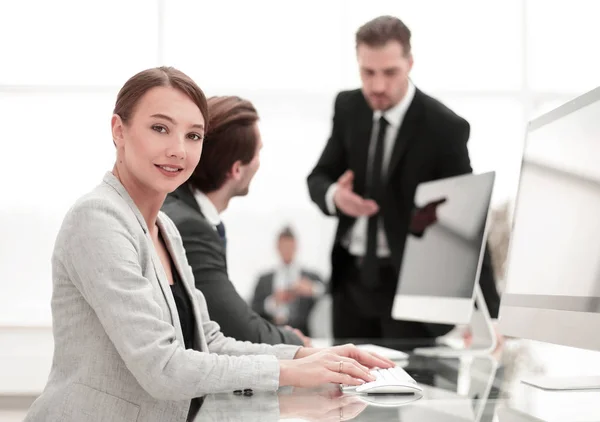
[(454, 390), (441, 400)]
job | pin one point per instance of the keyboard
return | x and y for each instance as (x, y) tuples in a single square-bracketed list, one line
[(387, 381)]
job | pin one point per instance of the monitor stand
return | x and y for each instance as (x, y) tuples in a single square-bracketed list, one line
[(484, 339), (564, 383)]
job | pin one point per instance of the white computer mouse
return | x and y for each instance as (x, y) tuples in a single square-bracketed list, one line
[(377, 387)]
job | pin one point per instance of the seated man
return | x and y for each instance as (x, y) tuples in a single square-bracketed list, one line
[(286, 295), (230, 159)]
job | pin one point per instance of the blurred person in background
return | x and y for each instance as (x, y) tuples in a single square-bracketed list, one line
[(230, 159), (133, 339), (387, 138), (287, 294)]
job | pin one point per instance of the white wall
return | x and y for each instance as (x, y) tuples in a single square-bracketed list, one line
[(63, 62)]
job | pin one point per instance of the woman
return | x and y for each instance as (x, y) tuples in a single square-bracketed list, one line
[(133, 339)]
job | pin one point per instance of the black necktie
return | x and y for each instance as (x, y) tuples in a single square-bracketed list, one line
[(221, 230), (370, 269)]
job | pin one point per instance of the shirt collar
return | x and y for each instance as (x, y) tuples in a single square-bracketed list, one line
[(207, 207), (291, 270), (291, 267), (395, 114)]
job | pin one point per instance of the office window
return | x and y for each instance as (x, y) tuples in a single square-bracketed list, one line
[(64, 42), (259, 45), (67, 58), (562, 37), (70, 135), (496, 142), (57, 148), (461, 45)]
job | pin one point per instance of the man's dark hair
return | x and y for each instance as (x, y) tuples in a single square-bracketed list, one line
[(230, 137), (381, 30), (286, 232)]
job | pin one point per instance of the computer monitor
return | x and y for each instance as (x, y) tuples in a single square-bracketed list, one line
[(553, 267), (438, 281)]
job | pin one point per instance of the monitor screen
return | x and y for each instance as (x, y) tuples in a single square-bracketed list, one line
[(554, 255), (443, 254), (443, 259)]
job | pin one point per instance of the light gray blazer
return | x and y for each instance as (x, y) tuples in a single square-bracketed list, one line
[(119, 353)]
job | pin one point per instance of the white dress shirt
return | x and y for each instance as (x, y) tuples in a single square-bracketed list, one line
[(356, 239), (284, 278), (208, 208)]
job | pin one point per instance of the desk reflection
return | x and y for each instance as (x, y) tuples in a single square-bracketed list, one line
[(453, 390), (328, 404)]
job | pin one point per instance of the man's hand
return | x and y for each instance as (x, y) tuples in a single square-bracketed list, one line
[(307, 342), (425, 216), (304, 287), (350, 203), (283, 296)]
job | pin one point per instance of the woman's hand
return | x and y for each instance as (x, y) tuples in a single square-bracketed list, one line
[(368, 359), (321, 367)]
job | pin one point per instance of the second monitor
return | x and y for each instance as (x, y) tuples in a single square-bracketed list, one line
[(438, 281)]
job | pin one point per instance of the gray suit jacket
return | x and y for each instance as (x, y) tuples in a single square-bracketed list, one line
[(206, 255), (119, 352)]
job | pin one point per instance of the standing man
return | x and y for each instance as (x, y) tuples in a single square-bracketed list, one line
[(230, 159), (387, 138)]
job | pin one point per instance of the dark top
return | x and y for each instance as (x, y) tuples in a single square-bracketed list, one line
[(184, 309), (187, 321), (184, 305)]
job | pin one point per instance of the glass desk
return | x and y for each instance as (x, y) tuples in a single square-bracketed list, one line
[(467, 389)]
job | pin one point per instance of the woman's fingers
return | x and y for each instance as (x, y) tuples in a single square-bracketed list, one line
[(390, 363), (350, 360), (343, 378), (370, 359), (352, 369)]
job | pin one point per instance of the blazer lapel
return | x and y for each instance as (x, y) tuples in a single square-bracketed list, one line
[(406, 133), (184, 193), (178, 254), (161, 276), (270, 284), (111, 180), (163, 281)]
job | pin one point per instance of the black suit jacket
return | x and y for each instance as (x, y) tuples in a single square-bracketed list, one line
[(206, 255), (301, 306), (431, 144)]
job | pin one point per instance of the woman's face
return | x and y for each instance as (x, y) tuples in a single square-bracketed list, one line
[(160, 146)]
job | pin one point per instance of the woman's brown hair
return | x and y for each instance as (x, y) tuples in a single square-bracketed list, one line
[(135, 88)]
